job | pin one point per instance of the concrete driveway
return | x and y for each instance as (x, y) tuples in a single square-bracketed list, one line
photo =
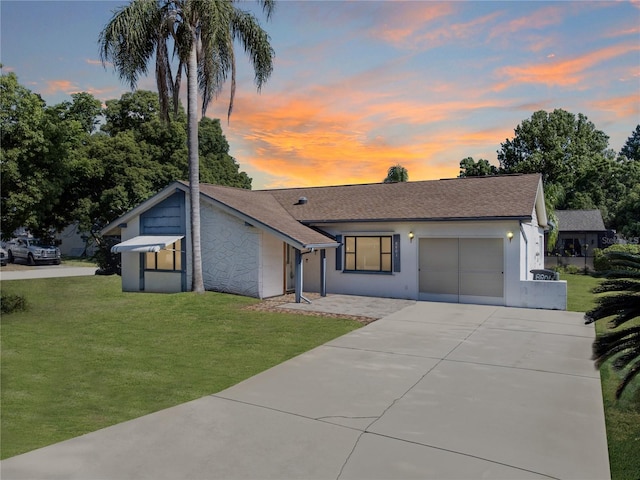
[(434, 390)]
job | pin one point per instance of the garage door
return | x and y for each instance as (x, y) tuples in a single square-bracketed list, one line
[(466, 270)]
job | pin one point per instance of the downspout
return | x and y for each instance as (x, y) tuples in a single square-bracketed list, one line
[(526, 251)]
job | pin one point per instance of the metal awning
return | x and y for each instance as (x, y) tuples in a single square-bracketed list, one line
[(146, 243)]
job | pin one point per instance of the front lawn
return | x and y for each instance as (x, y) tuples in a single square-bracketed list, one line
[(85, 355), (622, 416)]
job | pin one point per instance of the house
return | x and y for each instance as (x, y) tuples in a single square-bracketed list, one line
[(580, 231), (469, 240)]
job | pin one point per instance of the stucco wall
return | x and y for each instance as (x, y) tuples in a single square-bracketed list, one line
[(520, 257), (230, 253), (130, 260), (271, 266)]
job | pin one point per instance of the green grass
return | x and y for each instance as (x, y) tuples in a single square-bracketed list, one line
[(85, 355), (622, 416)]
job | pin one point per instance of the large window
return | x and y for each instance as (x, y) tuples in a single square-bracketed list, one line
[(168, 259), (368, 254)]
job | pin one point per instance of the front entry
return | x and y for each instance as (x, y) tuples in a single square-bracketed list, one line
[(462, 270), (289, 268)]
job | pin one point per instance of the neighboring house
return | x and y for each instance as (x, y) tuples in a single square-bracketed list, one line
[(470, 240), (580, 232)]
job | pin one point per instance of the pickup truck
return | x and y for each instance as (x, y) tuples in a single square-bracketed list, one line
[(33, 251)]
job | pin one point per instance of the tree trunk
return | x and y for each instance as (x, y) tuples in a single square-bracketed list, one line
[(197, 282)]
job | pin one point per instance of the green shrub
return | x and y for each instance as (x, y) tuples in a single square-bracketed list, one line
[(12, 303), (600, 261)]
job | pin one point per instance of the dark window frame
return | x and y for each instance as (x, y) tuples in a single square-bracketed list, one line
[(388, 255), (176, 258)]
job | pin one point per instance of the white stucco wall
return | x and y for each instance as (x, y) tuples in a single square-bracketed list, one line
[(230, 253), (130, 260), (520, 257), (162, 282), (271, 273)]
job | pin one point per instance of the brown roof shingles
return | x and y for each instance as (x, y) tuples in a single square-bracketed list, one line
[(509, 196)]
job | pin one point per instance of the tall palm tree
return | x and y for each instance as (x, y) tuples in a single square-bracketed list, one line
[(201, 34), (622, 302)]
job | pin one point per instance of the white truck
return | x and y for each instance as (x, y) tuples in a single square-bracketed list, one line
[(32, 251)]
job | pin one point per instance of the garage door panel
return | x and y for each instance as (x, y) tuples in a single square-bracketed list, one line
[(439, 265), (464, 267), (481, 254), (441, 283), (481, 284)]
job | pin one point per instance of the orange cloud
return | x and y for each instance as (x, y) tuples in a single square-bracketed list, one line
[(621, 107), (65, 86), (539, 19), (402, 23), (562, 73)]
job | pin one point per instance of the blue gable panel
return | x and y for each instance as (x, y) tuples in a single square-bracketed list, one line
[(167, 217)]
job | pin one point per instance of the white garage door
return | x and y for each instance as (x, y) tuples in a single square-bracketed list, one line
[(466, 270)]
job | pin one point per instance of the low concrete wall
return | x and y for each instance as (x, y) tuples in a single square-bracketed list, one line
[(547, 294)]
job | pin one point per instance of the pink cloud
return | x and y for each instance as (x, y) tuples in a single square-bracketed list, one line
[(561, 72)]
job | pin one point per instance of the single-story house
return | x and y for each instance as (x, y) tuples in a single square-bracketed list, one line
[(580, 231), (469, 240)]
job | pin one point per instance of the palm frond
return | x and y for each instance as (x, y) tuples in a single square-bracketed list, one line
[(130, 38), (618, 285), (255, 41), (610, 344), (630, 375)]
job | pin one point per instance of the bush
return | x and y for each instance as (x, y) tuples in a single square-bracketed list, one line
[(12, 303), (108, 263), (601, 262), (570, 269)]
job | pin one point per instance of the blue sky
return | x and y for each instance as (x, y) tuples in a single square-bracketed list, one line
[(359, 86)]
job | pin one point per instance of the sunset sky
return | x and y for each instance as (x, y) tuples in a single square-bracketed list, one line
[(359, 86)]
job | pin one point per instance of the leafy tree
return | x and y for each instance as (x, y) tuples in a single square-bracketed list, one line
[(217, 166), (631, 148), (202, 34), (397, 173), (555, 144), (470, 168), (622, 302), (39, 145)]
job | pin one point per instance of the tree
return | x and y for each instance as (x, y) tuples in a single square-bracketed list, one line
[(631, 148), (397, 173), (39, 147), (622, 302), (217, 166), (470, 168), (202, 34)]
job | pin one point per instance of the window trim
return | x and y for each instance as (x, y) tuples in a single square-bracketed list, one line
[(177, 257), (381, 253)]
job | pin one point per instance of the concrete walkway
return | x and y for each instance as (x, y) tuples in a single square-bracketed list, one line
[(433, 390), (50, 271)]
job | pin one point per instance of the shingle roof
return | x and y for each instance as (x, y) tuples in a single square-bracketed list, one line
[(262, 208), (580, 220), (498, 197), (509, 196)]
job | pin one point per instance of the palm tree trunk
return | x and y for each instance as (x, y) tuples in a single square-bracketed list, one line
[(197, 282)]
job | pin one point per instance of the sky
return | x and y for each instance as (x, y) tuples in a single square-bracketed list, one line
[(359, 86)]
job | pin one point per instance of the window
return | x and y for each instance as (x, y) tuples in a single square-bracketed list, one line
[(168, 259), (368, 254)]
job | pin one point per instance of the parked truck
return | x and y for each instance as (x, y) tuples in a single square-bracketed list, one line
[(32, 251)]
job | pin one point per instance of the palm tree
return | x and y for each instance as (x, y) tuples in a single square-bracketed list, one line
[(622, 301), (202, 34), (397, 173)]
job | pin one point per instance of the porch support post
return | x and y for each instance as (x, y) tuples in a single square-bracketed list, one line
[(323, 272), (298, 275)]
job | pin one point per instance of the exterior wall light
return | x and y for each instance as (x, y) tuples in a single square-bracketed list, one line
[(411, 235), (510, 236)]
